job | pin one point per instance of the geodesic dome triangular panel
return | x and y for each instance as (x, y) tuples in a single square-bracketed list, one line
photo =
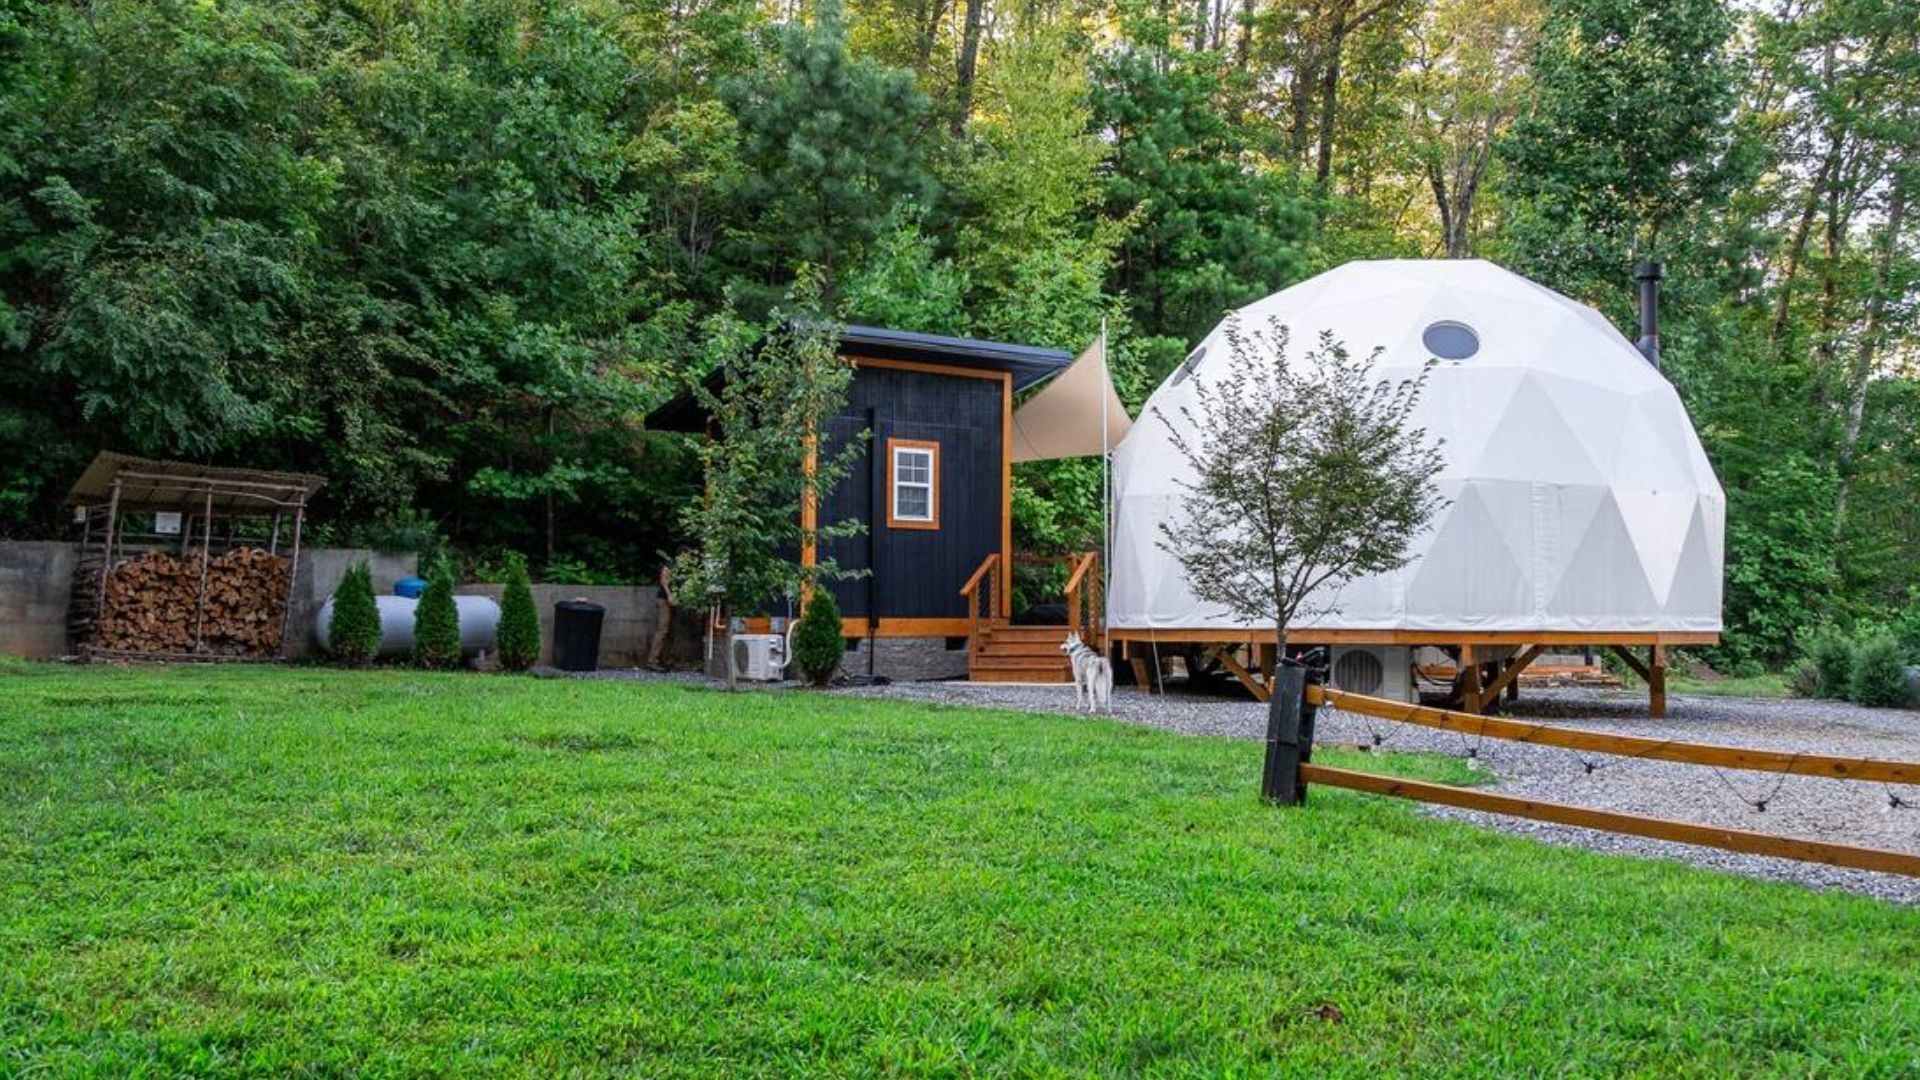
[(1580, 498)]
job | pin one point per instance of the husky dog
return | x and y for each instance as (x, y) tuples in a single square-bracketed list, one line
[(1092, 675)]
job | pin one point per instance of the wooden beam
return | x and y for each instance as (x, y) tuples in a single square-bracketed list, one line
[(1259, 691), (1633, 746), (1626, 656), (1741, 840), (1207, 635), (929, 368), (1510, 675)]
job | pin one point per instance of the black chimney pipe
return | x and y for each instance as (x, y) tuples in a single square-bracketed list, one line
[(1648, 275)]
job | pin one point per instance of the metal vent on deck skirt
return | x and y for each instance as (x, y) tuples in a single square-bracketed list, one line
[(1358, 671)]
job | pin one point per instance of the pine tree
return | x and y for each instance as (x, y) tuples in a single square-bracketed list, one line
[(833, 143), (817, 642), (519, 619), (353, 630), (436, 622)]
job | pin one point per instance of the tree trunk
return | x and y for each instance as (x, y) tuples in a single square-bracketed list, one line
[(968, 64), (1329, 94), (1836, 242), (1299, 104), (1244, 47), (1860, 374), (1797, 248), (549, 499)]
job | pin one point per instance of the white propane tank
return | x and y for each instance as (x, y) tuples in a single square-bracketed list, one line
[(479, 623)]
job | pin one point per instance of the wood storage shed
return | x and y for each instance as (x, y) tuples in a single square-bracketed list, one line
[(1581, 509), (180, 561)]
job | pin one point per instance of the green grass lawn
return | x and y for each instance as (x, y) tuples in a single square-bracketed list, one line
[(1770, 685), (305, 872)]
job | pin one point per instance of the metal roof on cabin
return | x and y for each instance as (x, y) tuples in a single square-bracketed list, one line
[(1028, 364), (151, 484)]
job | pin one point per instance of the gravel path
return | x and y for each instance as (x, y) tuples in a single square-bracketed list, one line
[(1810, 807)]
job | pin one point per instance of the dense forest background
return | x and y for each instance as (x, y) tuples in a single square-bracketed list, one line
[(448, 252)]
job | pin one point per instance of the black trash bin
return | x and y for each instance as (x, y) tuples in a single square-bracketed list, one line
[(576, 635)]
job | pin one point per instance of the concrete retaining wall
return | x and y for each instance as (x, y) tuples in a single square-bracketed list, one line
[(36, 579), (627, 630), (36, 584)]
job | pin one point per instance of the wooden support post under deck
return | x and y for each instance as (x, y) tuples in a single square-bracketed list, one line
[(1657, 682), (1470, 673)]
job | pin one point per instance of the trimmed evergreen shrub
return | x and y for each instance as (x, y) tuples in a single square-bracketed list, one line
[(817, 642), (436, 622), (1879, 675), (1832, 656), (1803, 679), (353, 630), (519, 619)]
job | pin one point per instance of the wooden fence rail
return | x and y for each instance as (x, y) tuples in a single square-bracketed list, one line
[(1633, 746), (1751, 843), (1732, 757)]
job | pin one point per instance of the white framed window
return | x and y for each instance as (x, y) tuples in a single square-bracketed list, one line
[(913, 484)]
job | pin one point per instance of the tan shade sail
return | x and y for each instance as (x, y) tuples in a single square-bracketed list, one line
[(1064, 419)]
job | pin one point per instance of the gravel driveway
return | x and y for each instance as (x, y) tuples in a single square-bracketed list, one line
[(1840, 811)]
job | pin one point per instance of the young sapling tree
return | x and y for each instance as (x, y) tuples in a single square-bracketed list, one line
[(765, 464), (1304, 475)]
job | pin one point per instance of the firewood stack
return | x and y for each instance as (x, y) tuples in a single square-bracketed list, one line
[(151, 603)]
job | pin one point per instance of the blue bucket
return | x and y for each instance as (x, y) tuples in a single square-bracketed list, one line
[(410, 587)]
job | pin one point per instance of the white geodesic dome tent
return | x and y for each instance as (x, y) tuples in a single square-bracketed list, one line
[(1579, 496)]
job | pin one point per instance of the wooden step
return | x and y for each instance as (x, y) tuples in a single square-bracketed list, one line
[(1022, 648), (998, 675), (1055, 634), (1035, 663)]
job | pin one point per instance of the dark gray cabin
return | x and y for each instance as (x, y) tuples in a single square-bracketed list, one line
[(935, 489)]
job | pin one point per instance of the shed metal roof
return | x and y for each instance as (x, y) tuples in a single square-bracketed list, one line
[(150, 484)]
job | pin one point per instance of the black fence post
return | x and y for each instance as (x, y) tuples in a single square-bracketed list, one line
[(1316, 675), (1280, 778)]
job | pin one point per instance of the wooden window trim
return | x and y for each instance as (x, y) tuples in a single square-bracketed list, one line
[(933, 476)]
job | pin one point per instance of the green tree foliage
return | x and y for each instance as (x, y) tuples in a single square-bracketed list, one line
[(353, 630), (1207, 232), (519, 644), (1879, 674), (1306, 474), (450, 255), (768, 416), (1832, 655), (1629, 134), (436, 622), (831, 143), (818, 644)]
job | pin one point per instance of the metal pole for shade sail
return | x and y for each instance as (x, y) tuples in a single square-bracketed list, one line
[(1106, 490)]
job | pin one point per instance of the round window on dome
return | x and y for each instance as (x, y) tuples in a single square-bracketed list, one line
[(1451, 340)]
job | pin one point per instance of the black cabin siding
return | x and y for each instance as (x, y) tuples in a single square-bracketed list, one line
[(917, 573)]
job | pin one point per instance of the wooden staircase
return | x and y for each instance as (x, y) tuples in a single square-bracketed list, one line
[(1001, 652), (998, 651)]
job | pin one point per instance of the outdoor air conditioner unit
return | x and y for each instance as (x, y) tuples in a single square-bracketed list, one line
[(1382, 671), (760, 657)]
